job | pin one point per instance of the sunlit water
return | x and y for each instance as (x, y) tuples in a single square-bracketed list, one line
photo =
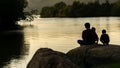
[(60, 34)]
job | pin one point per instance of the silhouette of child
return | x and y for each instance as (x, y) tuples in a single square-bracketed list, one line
[(95, 35), (104, 38)]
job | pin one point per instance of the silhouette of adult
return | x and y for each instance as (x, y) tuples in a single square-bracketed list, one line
[(89, 36)]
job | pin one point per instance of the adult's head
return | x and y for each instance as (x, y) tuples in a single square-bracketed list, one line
[(87, 25)]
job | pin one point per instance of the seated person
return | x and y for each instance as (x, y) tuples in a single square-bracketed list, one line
[(89, 36), (104, 38)]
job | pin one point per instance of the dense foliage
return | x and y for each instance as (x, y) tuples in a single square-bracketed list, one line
[(11, 11), (78, 9)]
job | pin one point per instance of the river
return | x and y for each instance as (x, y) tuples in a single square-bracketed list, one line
[(60, 34)]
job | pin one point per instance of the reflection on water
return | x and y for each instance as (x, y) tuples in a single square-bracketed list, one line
[(11, 47), (59, 34)]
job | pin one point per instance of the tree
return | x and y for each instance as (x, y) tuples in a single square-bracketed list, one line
[(59, 9), (34, 11), (11, 11), (76, 9), (105, 9), (116, 9), (47, 12)]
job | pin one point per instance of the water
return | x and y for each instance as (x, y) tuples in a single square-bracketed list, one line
[(59, 34)]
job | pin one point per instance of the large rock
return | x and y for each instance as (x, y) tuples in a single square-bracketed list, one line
[(95, 55), (47, 58), (89, 56)]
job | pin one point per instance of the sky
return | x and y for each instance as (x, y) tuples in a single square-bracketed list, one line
[(38, 4)]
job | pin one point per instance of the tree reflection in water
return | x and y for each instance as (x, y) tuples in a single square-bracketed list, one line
[(11, 46)]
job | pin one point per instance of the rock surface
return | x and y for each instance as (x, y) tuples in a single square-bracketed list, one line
[(81, 57), (47, 58), (95, 55)]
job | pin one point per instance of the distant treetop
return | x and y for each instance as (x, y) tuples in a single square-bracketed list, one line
[(78, 9)]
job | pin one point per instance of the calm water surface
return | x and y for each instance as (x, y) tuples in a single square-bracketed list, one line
[(59, 34)]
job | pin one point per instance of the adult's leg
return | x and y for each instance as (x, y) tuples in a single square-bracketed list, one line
[(81, 42)]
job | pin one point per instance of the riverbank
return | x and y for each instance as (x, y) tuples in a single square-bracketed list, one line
[(92, 56)]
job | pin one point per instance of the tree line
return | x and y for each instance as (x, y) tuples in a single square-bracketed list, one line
[(11, 11), (78, 9)]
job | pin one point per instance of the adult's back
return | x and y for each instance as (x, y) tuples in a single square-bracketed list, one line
[(89, 36)]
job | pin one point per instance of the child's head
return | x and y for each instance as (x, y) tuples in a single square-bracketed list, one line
[(93, 28), (103, 31)]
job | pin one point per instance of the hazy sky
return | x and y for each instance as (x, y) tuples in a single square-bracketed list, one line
[(38, 4)]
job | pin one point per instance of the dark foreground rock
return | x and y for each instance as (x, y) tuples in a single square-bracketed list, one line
[(94, 56), (91, 56), (47, 58)]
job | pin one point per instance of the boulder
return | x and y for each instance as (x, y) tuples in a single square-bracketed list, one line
[(87, 56), (95, 55), (47, 58)]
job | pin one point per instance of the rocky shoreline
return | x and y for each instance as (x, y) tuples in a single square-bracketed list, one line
[(88, 56)]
